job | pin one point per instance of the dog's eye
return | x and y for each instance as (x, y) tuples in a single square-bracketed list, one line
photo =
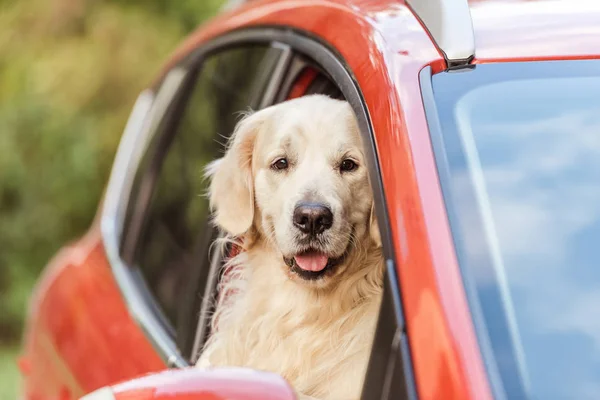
[(348, 165), (280, 164)]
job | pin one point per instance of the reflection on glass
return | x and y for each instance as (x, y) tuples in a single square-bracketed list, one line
[(522, 152)]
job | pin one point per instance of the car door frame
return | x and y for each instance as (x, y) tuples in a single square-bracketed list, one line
[(391, 353), (390, 366)]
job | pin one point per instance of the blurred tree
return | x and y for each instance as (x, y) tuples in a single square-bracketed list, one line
[(187, 12), (69, 73)]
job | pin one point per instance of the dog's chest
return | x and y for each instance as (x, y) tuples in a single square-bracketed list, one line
[(321, 357), (319, 342)]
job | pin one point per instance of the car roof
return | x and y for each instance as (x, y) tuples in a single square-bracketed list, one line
[(504, 29), (538, 29)]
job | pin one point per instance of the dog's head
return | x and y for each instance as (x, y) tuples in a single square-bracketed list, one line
[(295, 174)]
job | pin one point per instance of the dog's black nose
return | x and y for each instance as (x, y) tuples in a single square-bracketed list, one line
[(312, 218)]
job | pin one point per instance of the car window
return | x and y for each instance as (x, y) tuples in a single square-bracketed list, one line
[(520, 153), (388, 373), (169, 249)]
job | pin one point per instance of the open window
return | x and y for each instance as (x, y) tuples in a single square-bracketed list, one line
[(167, 234)]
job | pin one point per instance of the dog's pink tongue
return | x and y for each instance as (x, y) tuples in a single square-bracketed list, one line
[(311, 261)]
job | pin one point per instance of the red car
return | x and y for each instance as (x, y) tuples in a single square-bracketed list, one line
[(482, 124)]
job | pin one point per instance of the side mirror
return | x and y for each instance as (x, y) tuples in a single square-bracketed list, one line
[(199, 384)]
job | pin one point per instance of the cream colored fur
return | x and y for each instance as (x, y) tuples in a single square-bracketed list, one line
[(316, 334)]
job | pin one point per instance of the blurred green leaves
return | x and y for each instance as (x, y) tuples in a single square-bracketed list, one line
[(187, 12), (69, 73)]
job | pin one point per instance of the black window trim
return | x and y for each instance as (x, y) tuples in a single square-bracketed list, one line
[(117, 193)]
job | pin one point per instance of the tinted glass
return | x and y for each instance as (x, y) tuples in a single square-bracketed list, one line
[(519, 160), (176, 233)]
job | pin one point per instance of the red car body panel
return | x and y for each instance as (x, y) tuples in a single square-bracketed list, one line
[(80, 335)]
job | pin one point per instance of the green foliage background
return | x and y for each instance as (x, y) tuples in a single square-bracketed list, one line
[(70, 71)]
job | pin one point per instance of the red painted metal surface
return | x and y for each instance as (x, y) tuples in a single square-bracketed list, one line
[(80, 336), (299, 88), (196, 384)]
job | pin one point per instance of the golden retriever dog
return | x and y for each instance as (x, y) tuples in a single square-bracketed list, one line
[(303, 295)]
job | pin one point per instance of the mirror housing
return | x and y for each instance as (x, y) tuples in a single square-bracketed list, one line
[(199, 384)]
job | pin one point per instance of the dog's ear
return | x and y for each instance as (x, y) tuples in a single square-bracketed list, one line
[(232, 189), (374, 227)]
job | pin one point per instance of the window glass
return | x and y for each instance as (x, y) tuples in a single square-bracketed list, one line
[(521, 148), (176, 233)]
